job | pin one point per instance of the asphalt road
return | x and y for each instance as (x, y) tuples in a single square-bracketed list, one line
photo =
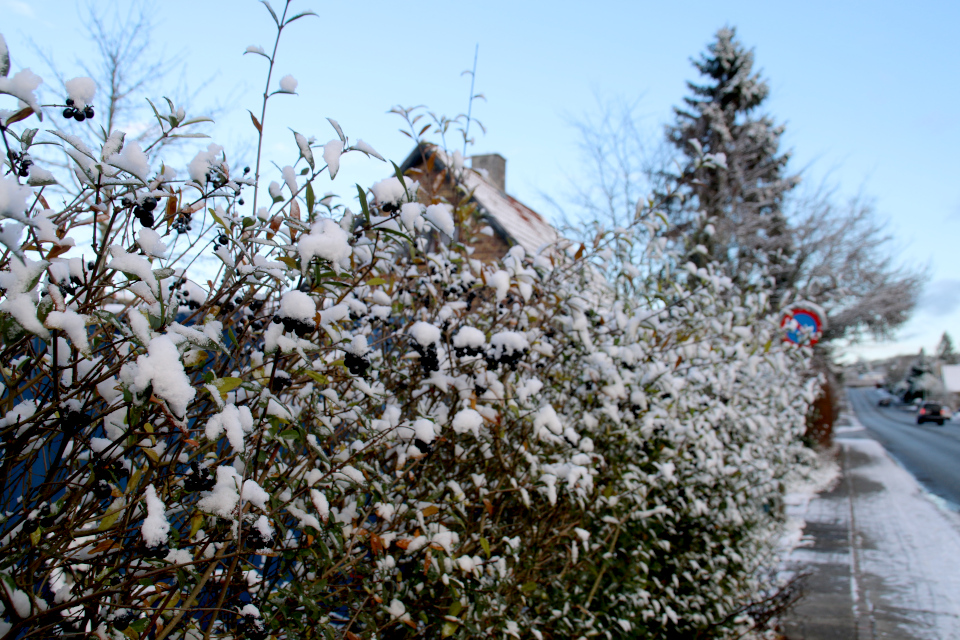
[(928, 451)]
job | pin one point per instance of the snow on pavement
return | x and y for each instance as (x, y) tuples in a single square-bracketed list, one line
[(882, 554)]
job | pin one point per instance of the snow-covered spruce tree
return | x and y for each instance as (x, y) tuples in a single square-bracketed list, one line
[(945, 351), (353, 429), (732, 179)]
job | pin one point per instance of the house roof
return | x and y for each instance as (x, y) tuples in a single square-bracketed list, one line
[(510, 218)]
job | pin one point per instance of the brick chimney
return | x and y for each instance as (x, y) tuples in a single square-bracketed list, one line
[(495, 166)]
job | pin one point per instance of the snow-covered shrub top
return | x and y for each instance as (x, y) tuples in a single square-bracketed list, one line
[(354, 429)]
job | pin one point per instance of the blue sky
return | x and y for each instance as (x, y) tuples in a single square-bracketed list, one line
[(867, 90)]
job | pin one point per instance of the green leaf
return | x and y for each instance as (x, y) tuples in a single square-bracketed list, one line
[(272, 12), (363, 203), (217, 219), (287, 260), (302, 14), (311, 198), (162, 274), (290, 434), (376, 281), (319, 378), (140, 624), (226, 385), (26, 138), (248, 222), (529, 587), (486, 549), (399, 174), (449, 628), (455, 608)]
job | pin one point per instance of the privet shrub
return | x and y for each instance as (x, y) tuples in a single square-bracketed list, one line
[(353, 429)]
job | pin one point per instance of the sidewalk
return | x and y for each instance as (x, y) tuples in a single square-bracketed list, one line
[(883, 558)]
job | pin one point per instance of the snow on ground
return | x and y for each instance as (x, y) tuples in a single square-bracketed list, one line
[(882, 554)]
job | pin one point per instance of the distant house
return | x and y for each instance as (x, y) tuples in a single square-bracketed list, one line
[(505, 221), (950, 375)]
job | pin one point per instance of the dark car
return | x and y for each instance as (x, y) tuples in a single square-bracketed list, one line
[(932, 412), (885, 401)]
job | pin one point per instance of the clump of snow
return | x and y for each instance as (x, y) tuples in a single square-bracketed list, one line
[(162, 368), (133, 160), (39, 177), (149, 241), (13, 199), (22, 85), (507, 342), (397, 610), (253, 48), (225, 496), (155, 526), (326, 240), (202, 162), (74, 324), (288, 84), (254, 494), (411, 216), (320, 502), (547, 417), (469, 337), (331, 155), (467, 420), (367, 149), (440, 217), (297, 305), (357, 346), (290, 178), (389, 190), (425, 333), (235, 421), (81, 90), (501, 282)]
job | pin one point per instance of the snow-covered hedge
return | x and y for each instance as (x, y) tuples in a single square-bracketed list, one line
[(353, 429)]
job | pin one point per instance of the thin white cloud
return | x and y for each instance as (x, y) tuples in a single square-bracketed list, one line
[(940, 297), (20, 7)]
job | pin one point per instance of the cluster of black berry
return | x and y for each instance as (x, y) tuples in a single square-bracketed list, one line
[(77, 113), (143, 211), (300, 327), (70, 287), (455, 291), (103, 472), (20, 163), (230, 305), (181, 224), (390, 207), (256, 540), (72, 421), (221, 240), (122, 621), (280, 382), (357, 365), (251, 627), (467, 351), (428, 357), (43, 519), (509, 359), (199, 479), (183, 297)]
